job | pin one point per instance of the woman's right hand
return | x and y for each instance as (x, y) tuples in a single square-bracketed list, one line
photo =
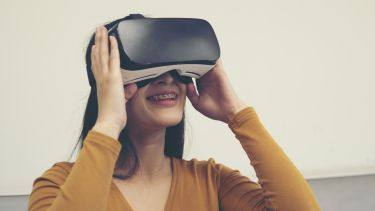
[(112, 94)]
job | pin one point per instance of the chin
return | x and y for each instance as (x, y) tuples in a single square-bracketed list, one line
[(168, 120)]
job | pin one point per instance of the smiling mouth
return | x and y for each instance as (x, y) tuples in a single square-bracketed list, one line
[(163, 97), (165, 100)]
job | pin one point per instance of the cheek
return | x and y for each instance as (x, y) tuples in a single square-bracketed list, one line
[(183, 101), (183, 89), (134, 109)]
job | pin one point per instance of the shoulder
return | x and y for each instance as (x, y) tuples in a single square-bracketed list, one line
[(196, 163), (57, 173), (207, 168)]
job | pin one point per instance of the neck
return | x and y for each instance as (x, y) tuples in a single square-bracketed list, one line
[(150, 150)]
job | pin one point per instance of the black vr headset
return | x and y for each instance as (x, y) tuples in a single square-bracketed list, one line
[(149, 47)]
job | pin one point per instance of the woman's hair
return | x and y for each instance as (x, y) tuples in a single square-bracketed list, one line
[(127, 162)]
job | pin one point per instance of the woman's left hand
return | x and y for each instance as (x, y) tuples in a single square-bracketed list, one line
[(216, 97)]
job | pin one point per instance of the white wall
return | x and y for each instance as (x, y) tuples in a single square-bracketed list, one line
[(306, 66)]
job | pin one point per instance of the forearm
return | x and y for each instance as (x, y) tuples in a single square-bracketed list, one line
[(284, 186), (88, 184)]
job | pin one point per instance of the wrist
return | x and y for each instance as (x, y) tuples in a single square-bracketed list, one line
[(107, 129), (234, 110)]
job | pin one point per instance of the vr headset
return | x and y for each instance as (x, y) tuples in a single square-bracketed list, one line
[(149, 47)]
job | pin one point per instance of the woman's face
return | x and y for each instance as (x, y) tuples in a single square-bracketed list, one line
[(159, 104)]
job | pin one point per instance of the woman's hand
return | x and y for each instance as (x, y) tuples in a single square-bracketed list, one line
[(112, 95), (216, 98)]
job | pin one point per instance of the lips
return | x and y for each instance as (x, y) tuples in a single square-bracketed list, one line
[(163, 96)]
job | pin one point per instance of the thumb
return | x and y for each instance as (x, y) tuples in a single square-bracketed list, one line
[(192, 94), (130, 90)]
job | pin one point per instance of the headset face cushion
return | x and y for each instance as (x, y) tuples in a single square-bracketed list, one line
[(180, 78)]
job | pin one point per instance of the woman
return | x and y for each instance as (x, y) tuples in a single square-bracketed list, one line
[(131, 158)]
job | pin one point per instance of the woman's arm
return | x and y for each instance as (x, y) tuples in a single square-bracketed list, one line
[(86, 186), (282, 187)]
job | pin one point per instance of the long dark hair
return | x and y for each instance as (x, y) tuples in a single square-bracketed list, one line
[(128, 161)]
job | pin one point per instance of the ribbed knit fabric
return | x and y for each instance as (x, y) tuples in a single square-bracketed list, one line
[(196, 185)]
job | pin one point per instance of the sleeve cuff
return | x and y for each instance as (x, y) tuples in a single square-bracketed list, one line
[(104, 141), (241, 116)]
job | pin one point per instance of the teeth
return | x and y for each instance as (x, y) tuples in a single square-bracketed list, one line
[(163, 97)]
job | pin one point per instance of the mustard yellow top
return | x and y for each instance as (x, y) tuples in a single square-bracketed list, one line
[(196, 185)]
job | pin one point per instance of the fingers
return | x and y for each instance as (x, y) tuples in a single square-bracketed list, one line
[(93, 54), (192, 94), (103, 46), (100, 50), (108, 60), (114, 60), (219, 62), (103, 61)]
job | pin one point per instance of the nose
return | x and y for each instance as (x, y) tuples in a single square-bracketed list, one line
[(165, 78)]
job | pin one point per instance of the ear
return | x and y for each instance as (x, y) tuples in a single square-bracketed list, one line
[(130, 90)]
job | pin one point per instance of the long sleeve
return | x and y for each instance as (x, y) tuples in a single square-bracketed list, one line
[(86, 186), (281, 186)]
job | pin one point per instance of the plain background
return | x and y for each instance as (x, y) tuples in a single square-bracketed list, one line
[(307, 67)]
